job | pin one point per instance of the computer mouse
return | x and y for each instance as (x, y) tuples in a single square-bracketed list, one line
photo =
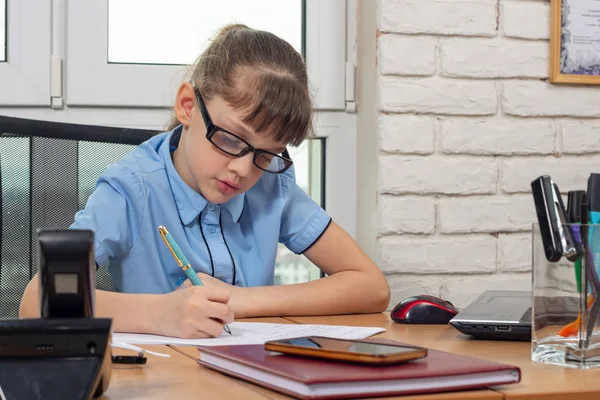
[(423, 309)]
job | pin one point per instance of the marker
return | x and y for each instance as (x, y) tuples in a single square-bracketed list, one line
[(577, 213), (593, 198)]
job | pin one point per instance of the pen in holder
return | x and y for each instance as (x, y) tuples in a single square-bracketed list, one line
[(565, 304)]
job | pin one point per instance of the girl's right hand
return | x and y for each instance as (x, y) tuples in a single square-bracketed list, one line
[(193, 312)]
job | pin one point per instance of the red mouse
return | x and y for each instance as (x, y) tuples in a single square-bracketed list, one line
[(423, 309)]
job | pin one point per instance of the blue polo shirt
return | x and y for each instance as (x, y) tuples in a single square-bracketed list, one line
[(235, 242)]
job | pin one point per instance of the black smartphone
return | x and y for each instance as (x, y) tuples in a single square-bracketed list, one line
[(356, 351)]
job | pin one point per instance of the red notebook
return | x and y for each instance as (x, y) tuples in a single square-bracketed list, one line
[(319, 379)]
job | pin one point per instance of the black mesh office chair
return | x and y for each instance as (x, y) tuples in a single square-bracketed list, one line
[(47, 172)]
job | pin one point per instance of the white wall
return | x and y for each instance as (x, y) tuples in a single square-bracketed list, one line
[(467, 119)]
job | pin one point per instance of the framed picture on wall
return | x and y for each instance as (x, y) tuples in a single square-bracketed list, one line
[(575, 42)]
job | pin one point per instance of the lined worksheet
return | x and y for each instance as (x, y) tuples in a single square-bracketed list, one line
[(254, 333)]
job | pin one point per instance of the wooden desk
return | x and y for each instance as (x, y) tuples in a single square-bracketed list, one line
[(180, 377), (539, 381), (192, 353), (177, 377)]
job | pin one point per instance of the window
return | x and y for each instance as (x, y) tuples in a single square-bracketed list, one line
[(3, 30), (308, 166), (139, 73), (118, 56), (135, 86), (25, 52), (181, 36)]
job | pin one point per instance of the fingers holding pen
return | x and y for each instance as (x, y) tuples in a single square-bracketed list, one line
[(197, 311), (218, 311)]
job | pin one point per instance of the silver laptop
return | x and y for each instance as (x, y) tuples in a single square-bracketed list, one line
[(497, 314)]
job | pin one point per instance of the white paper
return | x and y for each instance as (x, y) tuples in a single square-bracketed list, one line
[(255, 333)]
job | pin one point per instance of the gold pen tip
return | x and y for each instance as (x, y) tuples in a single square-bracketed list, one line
[(162, 230)]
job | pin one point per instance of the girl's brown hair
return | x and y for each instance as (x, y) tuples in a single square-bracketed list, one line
[(261, 75)]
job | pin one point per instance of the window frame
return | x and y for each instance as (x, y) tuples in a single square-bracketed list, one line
[(337, 126), (92, 81), (25, 75), (4, 21)]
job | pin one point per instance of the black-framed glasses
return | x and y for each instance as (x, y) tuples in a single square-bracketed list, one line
[(232, 144)]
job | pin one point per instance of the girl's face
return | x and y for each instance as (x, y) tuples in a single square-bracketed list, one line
[(214, 174)]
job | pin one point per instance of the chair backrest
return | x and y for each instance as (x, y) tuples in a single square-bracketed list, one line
[(47, 172)]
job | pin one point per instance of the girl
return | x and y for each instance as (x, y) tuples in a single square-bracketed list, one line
[(222, 183)]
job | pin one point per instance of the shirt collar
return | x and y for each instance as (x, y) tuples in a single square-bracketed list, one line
[(189, 202)]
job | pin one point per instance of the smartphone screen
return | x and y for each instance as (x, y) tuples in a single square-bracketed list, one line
[(349, 350)]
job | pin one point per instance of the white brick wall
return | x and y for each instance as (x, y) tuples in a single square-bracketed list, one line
[(485, 214), (569, 172), (498, 135), (406, 134), (529, 98), (464, 289), (467, 121), (493, 58), (514, 252), (443, 17), (431, 175), (525, 19), (402, 214), (438, 96), (579, 136), (438, 255), (419, 54)]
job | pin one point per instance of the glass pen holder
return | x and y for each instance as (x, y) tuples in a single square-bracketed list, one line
[(565, 305)]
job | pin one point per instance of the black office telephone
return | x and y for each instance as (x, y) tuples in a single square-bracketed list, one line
[(66, 353)]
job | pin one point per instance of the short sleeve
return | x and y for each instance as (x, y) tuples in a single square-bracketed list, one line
[(114, 211), (303, 220)]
